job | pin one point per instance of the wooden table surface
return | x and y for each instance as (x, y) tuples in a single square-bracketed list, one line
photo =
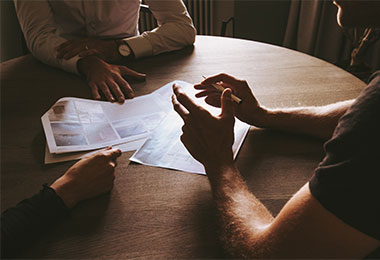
[(154, 212)]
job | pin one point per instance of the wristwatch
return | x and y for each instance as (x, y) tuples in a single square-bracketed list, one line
[(124, 49)]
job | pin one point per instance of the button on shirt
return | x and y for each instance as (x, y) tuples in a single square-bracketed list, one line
[(48, 23)]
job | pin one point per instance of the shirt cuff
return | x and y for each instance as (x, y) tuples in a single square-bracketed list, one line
[(140, 46), (70, 65)]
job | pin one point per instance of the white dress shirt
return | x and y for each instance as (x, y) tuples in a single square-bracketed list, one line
[(48, 23)]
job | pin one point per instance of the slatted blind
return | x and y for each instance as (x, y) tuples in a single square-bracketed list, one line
[(201, 11)]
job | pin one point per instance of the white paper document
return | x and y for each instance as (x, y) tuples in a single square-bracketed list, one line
[(163, 147), (63, 157), (76, 128), (75, 124)]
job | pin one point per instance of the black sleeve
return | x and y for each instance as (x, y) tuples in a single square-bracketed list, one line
[(347, 181), (24, 223)]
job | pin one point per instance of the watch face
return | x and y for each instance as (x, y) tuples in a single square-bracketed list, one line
[(124, 50)]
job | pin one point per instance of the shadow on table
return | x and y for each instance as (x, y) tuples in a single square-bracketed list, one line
[(276, 164)]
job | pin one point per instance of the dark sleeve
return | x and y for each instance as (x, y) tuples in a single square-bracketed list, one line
[(24, 223), (347, 181)]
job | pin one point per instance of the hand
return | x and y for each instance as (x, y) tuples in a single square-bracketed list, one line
[(87, 178), (208, 138), (249, 110), (105, 49), (107, 78)]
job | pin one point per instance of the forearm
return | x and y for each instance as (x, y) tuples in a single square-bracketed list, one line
[(175, 30), (243, 218), (319, 122), (39, 28), (24, 223)]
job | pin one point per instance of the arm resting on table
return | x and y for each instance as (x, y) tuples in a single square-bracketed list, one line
[(39, 28), (24, 223), (303, 228), (175, 30)]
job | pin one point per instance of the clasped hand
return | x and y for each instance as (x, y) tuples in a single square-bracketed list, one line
[(83, 47), (102, 77)]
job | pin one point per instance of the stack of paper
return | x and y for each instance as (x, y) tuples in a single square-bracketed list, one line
[(75, 127)]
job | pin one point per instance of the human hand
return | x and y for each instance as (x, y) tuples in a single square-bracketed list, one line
[(249, 110), (208, 138), (105, 49), (87, 178), (108, 78)]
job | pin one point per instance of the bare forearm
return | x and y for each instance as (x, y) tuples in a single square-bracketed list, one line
[(243, 218), (319, 122)]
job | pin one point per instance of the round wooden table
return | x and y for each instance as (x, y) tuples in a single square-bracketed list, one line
[(153, 212)]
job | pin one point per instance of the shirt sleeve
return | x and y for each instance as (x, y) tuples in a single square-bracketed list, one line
[(175, 30), (37, 23), (347, 181), (24, 223)]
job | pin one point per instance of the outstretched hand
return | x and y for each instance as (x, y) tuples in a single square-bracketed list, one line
[(249, 110), (208, 138), (88, 178)]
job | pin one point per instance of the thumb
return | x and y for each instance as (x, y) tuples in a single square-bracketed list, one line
[(227, 104)]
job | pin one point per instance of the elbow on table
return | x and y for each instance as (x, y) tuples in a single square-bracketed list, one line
[(190, 35), (249, 245)]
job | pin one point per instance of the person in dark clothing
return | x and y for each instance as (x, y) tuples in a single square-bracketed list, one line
[(25, 222), (336, 214)]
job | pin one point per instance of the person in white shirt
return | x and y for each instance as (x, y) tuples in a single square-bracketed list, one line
[(89, 37)]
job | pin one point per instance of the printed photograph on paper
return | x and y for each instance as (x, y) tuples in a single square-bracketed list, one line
[(63, 111), (127, 128), (99, 133), (68, 134)]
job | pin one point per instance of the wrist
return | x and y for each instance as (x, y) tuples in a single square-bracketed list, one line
[(83, 65), (117, 57), (68, 197), (124, 51), (86, 64), (219, 168), (262, 117), (221, 175)]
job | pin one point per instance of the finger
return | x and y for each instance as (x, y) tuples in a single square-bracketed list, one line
[(113, 164), (104, 88), (95, 91), (213, 100), (221, 77), (208, 92), (124, 86), (88, 53), (131, 73), (179, 108), (113, 153), (200, 86), (69, 48), (65, 44), (71, 53), (184, 100), (227, 104), (116, 91)]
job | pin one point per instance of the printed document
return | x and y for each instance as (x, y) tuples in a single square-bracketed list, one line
[(75, 124), (163, 147)]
